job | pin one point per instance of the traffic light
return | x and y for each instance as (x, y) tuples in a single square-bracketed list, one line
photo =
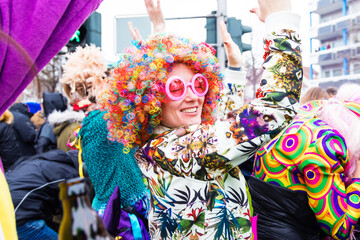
[(78, 39), (211, 28), (93, 26), (88, 33), (236, 30)]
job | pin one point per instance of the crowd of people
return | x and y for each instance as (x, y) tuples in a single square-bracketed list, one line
[(165, 141)]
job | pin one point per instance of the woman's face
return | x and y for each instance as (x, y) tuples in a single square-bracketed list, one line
[(187, 110)]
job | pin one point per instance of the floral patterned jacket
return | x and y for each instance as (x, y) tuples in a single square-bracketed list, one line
[(232, 95), (311, 157), (197, 190)]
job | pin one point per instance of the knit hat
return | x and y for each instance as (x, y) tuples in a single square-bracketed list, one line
[(21, 108), (34, 107)]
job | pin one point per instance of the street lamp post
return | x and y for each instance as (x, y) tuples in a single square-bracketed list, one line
[(221, 15)]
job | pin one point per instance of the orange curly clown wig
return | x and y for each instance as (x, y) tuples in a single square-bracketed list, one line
[(136, 88)]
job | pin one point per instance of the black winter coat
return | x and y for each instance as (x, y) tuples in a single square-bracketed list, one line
[(282, 213), (33, 184), (25, 133), (9, 148), (45, 139)]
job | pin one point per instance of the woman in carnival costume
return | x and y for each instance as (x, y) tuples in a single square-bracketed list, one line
[(313, 166), (189, 158)]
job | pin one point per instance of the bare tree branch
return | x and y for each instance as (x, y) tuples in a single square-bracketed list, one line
[(49, 76)]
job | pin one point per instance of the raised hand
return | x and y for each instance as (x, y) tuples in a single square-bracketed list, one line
[(268, 7), (155, 15), (135, 34), (232, 50)]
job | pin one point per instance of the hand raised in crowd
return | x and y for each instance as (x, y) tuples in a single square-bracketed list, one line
[(135, 34), (268, 7), (232, 50), (37, 119), (155, 14), (156, 17)]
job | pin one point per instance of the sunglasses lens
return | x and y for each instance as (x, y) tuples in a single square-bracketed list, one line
[(200, 85), (176, 87)]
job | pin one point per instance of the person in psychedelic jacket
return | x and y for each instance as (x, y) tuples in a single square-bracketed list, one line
[(189, 159), (316, 159)]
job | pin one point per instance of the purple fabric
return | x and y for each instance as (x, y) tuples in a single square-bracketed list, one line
[(1, 166), (117, 221), (32, 33)]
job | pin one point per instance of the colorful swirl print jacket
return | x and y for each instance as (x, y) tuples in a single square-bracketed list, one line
[(310, 156), (197, 190)]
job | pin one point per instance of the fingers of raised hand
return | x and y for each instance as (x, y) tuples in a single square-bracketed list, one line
[(224, 32), (135, 34)]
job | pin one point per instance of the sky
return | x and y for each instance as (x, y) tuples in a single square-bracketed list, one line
[(195, 28)]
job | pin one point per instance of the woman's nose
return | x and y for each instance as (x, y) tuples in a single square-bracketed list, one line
[(190, 95)]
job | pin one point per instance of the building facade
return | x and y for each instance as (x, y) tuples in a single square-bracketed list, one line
[(335, 41)]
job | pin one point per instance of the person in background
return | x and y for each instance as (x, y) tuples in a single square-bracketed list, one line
[(314, 93), (84, 71), (9, 148), (306, 182), (45, 138), (191, 160), (38, 120), (64, 124), (332, 91), (33, 183), (328, 46), (24, 128)]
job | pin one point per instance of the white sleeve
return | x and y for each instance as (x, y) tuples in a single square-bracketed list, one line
[(283, 20)]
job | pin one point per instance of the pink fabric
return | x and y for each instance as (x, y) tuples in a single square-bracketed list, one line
[(254, 227), (32, 33), (1, 166)]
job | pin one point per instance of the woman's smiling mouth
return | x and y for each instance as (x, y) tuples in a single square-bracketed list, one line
[(189, 110)]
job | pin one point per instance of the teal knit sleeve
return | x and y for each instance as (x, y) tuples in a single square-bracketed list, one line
[(106, 163)]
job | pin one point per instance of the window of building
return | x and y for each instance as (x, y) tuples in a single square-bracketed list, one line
[(354, 8), (337, 72), (355, 37), (338, 43), (325, 19), (356, 68), (327, 74)]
